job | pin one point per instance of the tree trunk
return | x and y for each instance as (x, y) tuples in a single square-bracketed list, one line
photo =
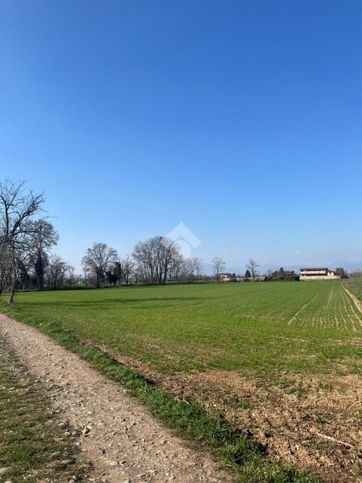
[(12, 292), (13, 282)]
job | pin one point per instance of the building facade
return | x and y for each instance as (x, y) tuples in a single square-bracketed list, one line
[(317, 274)]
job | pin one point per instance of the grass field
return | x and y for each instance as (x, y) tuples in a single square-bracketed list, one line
[(281, 360), (263, 328)]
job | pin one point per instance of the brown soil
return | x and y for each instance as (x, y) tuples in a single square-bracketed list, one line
[(117, 434), (313, 422)]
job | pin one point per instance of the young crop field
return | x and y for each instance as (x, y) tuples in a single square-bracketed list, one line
[(279, 360)]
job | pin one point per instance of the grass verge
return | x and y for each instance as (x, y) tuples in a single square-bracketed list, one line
[(33, 447), (241, 453)]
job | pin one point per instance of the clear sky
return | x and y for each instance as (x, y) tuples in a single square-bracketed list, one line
[(241, 119)]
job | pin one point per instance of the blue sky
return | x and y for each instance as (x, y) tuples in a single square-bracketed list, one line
[(242, 119)]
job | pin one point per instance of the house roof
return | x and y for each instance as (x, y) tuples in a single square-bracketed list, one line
[(314, 269)]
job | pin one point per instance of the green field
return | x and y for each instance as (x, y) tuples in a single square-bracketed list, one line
[(281, 360), (263, 327)]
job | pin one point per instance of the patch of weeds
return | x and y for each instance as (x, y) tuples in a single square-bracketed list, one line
[(320, 418), (325, 446), (300, 390), (238, 403), (205, 394), (284, 383)]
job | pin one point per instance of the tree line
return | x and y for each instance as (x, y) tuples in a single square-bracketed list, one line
[(27, 239), (157, 260)]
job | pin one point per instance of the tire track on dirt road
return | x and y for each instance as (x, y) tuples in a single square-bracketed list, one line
[(118, 435)]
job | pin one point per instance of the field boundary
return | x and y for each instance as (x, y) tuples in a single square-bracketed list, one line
[(354, 299)]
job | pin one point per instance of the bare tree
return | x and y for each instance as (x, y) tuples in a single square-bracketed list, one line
[(187, 272), (17, 209), (57, 271), (197, 267), (154, 259), (253, 266), (177, 268), (127, 269), (218, 264), (98, 260)]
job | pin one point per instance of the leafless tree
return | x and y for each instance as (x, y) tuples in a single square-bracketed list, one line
[(98, 260), (177, 269), (17, 210), (218, 264), (154, 259), (187, 271), (128, 266), (197, 267), (253, 266), (57, 270)]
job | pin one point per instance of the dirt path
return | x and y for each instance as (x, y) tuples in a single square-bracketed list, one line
[(355, 300), (123, 441)]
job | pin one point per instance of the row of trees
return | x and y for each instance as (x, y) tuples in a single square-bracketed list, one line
[(26, 262), (154, 261), (27, 238)]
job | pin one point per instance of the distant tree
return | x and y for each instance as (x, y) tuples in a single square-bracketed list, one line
[(269, 274), (154, 258), (122, 271), (24, 278), (112, 277), (127, 269), (178, 269), (42, 239), (57, 271), (341, 273), (185, 270), (247, 274), (17, 226), (98, 260), (197, 267), (253, 266), (218, 264)]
